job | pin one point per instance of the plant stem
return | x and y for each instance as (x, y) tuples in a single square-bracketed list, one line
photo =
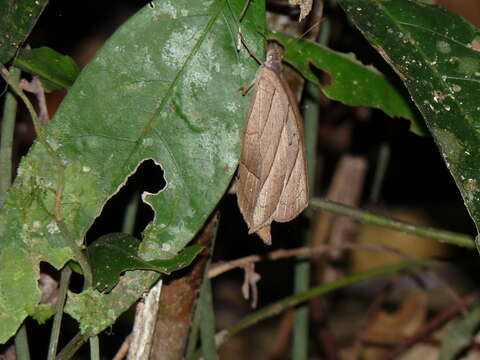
[(301, 315), (72, 347), (94, 348), (312, 116), (21, 343), (301, 319), (57, 320), (368, 217), (381, 169), (204, 316), (207, 324), (131, 214), (194, 331), (77, 251), (6, 140)]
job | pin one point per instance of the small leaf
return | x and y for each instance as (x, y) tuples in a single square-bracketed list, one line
[(305, 7), (16, 22), (436, 54), (58, 71), (351, 82), (113, 254), (43, 312), (459, 334)]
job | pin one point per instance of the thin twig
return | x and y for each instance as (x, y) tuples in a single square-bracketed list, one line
[(220, 268), (122, 352), (368, 217), (35, 87)]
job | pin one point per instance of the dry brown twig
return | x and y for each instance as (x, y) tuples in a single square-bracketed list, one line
[(122, 352), (35, 87), (220, 268), (249, 287)]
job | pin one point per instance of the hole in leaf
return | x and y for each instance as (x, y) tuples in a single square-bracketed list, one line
[(115, 213)]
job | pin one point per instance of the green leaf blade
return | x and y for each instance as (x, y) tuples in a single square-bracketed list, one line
[(113, 254), (351, 82), (434, 53), (16, 23), (58, 71)]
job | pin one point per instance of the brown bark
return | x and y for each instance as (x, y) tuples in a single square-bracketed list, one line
[(177, 303)]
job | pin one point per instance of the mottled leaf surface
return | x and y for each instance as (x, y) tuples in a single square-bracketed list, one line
[(113, 254), (17, 18), (164, 87), (436, 54)]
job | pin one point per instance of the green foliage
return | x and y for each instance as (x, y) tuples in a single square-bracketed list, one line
[(17, 20), (57, 71), (435, 54), (350, 81), (113, 254)]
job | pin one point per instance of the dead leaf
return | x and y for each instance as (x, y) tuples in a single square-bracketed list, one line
[(250, 282), (272, 176), (305, 7)]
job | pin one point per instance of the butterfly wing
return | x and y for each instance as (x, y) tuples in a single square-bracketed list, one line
[(272, 181)]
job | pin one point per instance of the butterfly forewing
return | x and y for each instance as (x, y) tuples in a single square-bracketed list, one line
[(272, 182)]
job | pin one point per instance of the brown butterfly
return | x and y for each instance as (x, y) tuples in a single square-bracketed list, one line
[(272, 176)]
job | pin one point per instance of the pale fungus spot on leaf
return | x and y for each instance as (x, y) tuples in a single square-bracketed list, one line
[(147, 142), (456, 88), (52, 228), (179, 45), (443, 47), (166, 247), (168, 8)]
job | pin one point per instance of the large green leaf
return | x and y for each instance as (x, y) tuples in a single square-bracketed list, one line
[(164, 87), (351, 82), (435, 53), (16, 21)]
